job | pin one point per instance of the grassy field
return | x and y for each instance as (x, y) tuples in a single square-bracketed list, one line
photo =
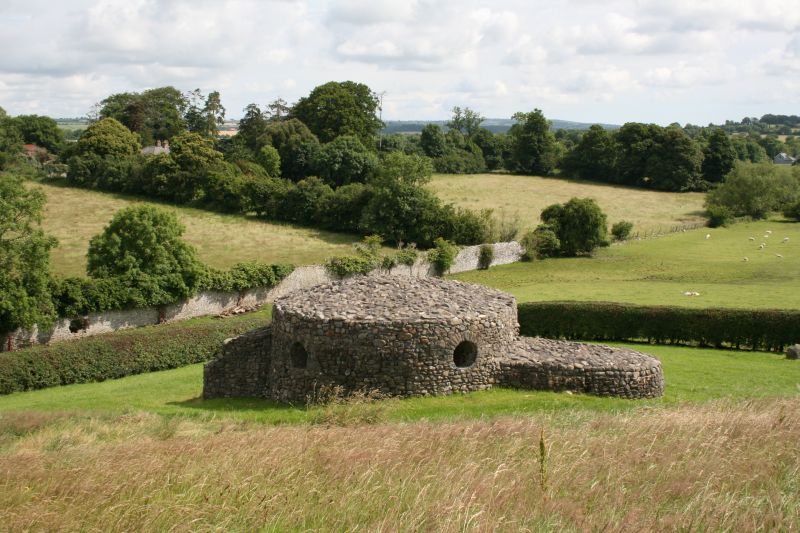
[(75, 215), (718, 452), (658, 271), (528, 195)]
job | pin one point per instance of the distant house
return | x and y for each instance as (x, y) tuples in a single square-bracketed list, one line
[(157, 149), (784, 159)]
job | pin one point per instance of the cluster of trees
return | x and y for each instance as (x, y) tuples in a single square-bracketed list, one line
[(27, 129), (315, 163), (755, 191)]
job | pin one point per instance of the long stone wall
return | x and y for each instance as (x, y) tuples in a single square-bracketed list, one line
[(215, 302)]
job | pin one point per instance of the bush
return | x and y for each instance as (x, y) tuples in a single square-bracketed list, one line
[(347, 265), (756, 329), (579, 224), (621, 230), (442, 255), (120, 354), (485, 256), (793, 211), (540, 243), (756, 190), (719, 215)]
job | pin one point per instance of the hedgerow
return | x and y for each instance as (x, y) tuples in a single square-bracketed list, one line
[(737, 328)]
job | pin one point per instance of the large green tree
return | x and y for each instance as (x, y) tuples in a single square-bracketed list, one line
[(465, 121), (594, 157), (41, 131), (340, 108), (719, 156), (533, 147), (344, 160), (155, 114), (579, 224), (10, 138), (143, 245), (24, 257), (204, 114), (433, 141)]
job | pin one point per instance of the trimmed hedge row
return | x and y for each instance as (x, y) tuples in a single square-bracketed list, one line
[(765, 329), (122, 353), (81, 296)]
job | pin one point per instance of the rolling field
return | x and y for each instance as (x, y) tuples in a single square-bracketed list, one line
[(659, 271), (528, 195), (75, 215)]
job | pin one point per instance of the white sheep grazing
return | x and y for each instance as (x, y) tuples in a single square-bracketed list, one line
[(751, 238), (745, 259), (786, 239), (766, 235), (708, 235), (768, 231), (761, 246), (779, 256)]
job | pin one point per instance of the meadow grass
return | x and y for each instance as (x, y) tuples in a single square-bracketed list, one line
[(721, 466), (693, 375), (659, 271), (75, 215), (526, 196)]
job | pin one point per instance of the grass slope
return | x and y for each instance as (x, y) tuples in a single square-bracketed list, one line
[(528, 195), (75, 215), (692, 375), (659, 271)]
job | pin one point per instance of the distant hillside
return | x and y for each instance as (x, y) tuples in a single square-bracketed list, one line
[(495, 125)]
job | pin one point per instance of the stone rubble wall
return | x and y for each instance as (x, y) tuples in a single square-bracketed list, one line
[(243, 368), (215, 302)]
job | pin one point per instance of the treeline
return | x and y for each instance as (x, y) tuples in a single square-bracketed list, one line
[(315, 163)]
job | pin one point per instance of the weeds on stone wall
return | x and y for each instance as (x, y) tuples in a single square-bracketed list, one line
[(485, 256), (442, 255)]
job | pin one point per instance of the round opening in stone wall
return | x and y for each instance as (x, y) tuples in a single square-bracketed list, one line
[(299, 356), (465, 354)]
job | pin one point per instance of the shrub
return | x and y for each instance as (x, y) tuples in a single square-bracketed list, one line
[(407, 256), (757, 329), (621, 230), (485, 256), (119, 354), (719, 215), (756, 190), (579, 224), (347, 265), (540, 243), (793, 211), (442, 255)]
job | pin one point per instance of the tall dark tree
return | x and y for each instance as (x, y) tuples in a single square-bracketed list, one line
[(719, 156), (635, 142), (433, 141), (204, 114), (252, 127), (579, 224), (340, 108), (465, 121), (532, 145), (674, 162), (278, 109), (10, 138), (41, 131), (155, 114), (594, 157), (24, 257)]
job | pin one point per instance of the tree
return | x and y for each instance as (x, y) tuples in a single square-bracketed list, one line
[(155, 114), (108, 138), (756, 190), (10, 138), (719, 156), (594, 157), (143, 246), (24, 257), (340, 108), (674, 162), (634, 143), (252, 127), (465, 121), (41, 131), (433, 141), (207, 119), (533, 146), (344, 160), (579, 224), (278, 109), (270, 160), (295, 144), (103, 157)]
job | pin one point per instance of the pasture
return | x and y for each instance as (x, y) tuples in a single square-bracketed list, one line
[(659, 271), (718, 453), (75, 215), (526, 196)]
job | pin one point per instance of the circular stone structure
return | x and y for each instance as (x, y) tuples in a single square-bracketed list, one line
[(408, 336), (399, 335)]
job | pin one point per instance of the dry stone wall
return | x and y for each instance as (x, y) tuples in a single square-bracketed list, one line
[(243, 368)]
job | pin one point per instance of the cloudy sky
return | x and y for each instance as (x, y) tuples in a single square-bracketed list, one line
[(611, 61)]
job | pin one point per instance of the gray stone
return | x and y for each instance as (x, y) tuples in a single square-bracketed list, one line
[(414, 337), (793, 352)]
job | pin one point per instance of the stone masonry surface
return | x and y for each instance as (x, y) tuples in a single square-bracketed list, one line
[(414, 337)]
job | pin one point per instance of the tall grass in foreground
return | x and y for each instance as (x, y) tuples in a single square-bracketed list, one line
[(719, 466)]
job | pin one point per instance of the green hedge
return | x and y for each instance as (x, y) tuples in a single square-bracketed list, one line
[(765, 329), (122, 353), (80, 296)]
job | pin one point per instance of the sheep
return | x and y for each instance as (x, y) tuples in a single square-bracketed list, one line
[(745, 259), (768, 231), (761, 246), (751, 238), (708, 236), (786, 239), (766, 235), (779, 256), (691, 293)]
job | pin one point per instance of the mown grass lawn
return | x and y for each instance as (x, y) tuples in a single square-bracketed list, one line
[(692, 375), (659, 271), (526, 196), (75, 215)]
